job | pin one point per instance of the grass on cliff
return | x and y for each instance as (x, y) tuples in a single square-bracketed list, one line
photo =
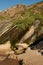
[(26, 20)]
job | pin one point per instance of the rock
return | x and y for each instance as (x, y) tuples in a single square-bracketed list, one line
[(41, 53), (28, 34), (5, 46), (19, 51), (21, 47), (9, 52), (24, 45), (31, 31), (9, 61), (12, 56), (15, 35), (3, 57), (5, 26), (4, 30), (33, 38), (20, 61)]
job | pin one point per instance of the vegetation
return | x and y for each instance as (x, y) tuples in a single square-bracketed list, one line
[(24, 19), (1, 17)]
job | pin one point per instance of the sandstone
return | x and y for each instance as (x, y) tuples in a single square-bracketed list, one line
[(12, 56), (23, 45)]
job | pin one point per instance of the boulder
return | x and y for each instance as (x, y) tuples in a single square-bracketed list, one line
[(31, 31), (20, 48)]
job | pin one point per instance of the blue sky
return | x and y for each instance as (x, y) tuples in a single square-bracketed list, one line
[(4, 4)]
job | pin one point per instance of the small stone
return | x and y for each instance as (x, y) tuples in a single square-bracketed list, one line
[(12, 56)]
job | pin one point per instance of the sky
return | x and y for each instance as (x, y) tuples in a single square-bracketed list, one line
[(4, 4)]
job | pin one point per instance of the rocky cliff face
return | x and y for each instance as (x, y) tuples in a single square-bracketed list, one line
[(15, 11), (23, 17)]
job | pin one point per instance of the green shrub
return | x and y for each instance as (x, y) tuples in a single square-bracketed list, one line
[(26, 20), (1, 17)]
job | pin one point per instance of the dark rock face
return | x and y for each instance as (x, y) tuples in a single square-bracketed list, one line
[(16, 35), (38, 44)]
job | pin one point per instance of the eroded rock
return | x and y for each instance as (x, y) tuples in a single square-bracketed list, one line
[(21, 47)]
